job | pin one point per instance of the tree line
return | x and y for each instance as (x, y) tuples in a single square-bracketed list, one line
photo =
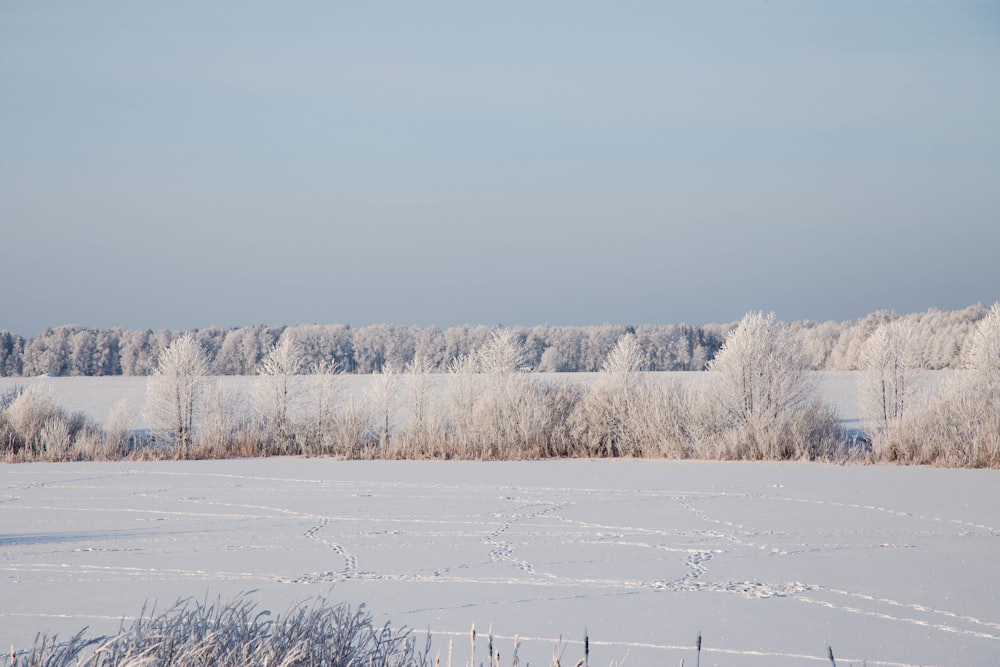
[(78, 351), (758, 401)]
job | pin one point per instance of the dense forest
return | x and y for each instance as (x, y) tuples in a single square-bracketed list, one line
[(72, 350)]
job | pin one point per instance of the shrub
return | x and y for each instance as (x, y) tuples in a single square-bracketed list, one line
[(27, 416)]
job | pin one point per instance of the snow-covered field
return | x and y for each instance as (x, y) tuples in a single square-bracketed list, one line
[(770, 561), (96, 396)]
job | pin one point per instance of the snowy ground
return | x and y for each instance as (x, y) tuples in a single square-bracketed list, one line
[(771, 562)]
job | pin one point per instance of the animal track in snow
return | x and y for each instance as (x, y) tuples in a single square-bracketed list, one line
[(350, 560), (886, 510), (502, 550)]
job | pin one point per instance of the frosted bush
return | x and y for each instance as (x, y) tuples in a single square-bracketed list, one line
[(91, 444), (610, 419), (423, 434), (55, 439), (223, 419), (495, 410), (680, 422), (353, 431), (28, 416), (120, 428), (960, 426)]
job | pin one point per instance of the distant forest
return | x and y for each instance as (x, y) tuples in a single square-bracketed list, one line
[(76, 351)]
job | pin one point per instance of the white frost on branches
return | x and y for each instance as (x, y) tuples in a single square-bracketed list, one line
[(890, 362), (174, 390)]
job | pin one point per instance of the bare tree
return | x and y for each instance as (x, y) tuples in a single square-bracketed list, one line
[(174, 389)]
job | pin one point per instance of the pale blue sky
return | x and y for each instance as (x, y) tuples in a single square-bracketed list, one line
[(181, 164)]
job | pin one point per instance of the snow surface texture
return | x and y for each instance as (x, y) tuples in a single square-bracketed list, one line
[(770, 561)]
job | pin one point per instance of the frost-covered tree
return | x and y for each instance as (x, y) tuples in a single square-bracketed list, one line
[(222, 419), (417, 383), (982, 350), (82, 349), (760, 372), (971, 407), (621, 383), (566, 348), (764, 389), (321, 408), (370, 347), (210, 340), (174, 390), (551, 361), (280, 387), (48, 353), (496, 409), (891, 362), (326, 344), (107, 359), (600, 341), (382, 395), (624, 362), (502, 355), (845, 355), (818, 340), (960, 425), (429, 345), (464, 340), (11, 354), (608, 420), (137, 355)]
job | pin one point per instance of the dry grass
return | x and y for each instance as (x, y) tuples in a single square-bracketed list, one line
[(236, 633)]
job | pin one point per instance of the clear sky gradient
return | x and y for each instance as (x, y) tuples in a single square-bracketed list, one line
[(182, 164)]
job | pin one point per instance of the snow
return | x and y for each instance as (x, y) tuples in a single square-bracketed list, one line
[(770, 561)]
